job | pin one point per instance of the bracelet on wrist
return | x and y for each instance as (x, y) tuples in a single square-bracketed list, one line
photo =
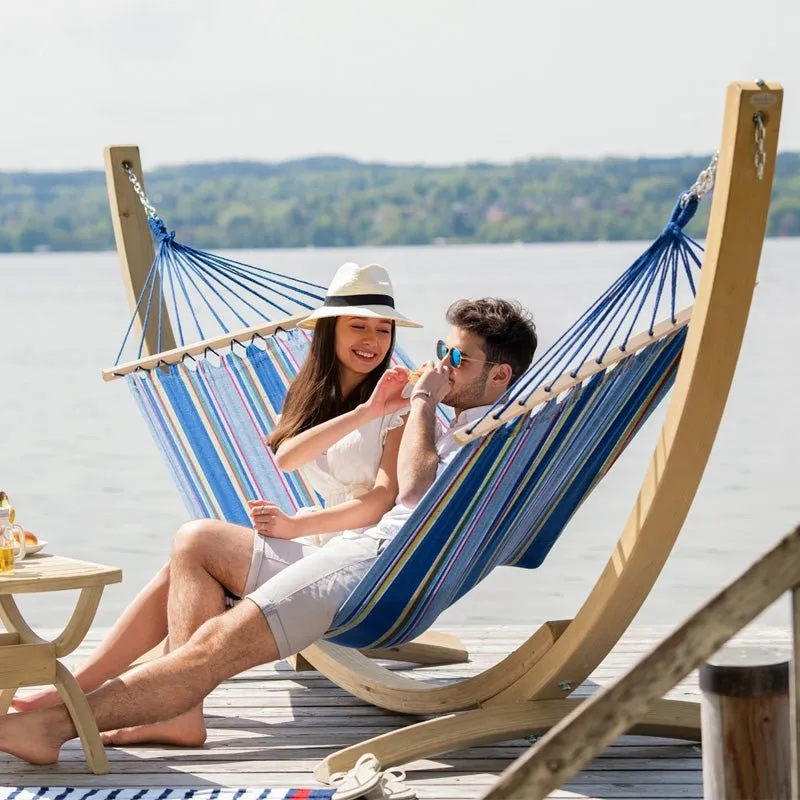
[(421, 393)]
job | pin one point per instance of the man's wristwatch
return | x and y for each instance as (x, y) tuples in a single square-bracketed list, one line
[(420, 393)]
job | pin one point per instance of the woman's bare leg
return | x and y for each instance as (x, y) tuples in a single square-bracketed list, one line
[(141, 627)]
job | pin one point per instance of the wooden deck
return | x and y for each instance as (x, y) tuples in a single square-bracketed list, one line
[(270, 726)]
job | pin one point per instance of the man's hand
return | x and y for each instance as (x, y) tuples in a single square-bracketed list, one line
[(269, 520), (387, 397), (435, 379), (417, 460)]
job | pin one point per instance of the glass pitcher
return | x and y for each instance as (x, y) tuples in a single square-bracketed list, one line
[(8, 543)]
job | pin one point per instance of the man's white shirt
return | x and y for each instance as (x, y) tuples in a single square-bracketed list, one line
[(446, 448)]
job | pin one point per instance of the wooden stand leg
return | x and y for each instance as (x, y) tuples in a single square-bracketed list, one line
[(78, 707), (299, 663), (430, 647), (445, 734), (6, 696), (746, 741)]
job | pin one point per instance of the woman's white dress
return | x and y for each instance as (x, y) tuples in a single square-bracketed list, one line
[(348, 469)]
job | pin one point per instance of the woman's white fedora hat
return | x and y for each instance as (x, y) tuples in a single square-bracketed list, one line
[(359, 292)]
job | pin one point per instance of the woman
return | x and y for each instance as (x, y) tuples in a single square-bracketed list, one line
[(340, 424), (340, 409)]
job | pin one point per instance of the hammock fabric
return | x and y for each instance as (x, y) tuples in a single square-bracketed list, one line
[(504, 499), (209, 422)]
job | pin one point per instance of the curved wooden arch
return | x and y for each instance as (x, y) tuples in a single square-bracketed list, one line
[(735, 236), (560, 655), (357, 674)]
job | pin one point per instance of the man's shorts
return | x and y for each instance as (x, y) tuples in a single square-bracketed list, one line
[(299, 587)]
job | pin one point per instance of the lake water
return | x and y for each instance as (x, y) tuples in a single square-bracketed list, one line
[(82, 471)]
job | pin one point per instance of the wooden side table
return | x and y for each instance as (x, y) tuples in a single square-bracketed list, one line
[(28, 660)]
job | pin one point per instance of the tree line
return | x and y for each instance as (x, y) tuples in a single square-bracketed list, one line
[(329, 202)]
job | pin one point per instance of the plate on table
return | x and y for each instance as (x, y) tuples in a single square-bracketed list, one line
[(32, 549)]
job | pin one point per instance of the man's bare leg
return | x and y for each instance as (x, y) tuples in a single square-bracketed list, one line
[(141, 627), (159, 690), (206, 556)]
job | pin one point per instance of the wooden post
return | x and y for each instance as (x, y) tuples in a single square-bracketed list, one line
[(135, 245), (745, 724), (794, 693), (599, 721)]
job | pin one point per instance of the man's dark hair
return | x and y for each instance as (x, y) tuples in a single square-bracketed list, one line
[(506, 328)]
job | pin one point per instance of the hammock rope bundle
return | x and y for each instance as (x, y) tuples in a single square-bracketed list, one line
[(183, 275), (649, 288), (523, 471)]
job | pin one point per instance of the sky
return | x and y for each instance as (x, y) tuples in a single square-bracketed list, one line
[(399, 81)]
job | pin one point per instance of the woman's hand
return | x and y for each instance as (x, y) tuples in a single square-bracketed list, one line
[(387, 397), (269, 520)]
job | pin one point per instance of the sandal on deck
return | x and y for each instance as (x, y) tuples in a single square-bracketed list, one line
[(362, 778), (392, 787)]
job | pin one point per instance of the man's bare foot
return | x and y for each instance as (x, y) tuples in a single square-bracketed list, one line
[(43, 699), (30, 737), (188, 730)]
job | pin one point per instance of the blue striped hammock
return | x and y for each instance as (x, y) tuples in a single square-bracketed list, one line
[(508, 494)]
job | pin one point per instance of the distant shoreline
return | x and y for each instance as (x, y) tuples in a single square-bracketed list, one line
[(338, 202), (112, 251)]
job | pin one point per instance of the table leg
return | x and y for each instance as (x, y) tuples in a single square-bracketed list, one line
[(82, 718), (80, 621), (6, 696), (71, 693), (14, 623)]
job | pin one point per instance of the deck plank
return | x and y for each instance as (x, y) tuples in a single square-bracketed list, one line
[(271, 726)]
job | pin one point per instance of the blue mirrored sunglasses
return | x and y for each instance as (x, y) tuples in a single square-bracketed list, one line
[(455, 354), (457, 358)]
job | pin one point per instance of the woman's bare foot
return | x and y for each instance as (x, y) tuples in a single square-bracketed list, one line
[(30, 737), (42, 699), (187, 730)]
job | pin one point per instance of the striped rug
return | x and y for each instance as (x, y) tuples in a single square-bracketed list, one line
[(86, 793)]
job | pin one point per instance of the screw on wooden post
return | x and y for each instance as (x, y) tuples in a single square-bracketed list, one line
[(745, 724)]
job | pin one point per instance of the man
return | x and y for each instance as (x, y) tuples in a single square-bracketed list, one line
[(489, 345)]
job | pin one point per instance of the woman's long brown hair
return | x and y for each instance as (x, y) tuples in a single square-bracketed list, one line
[(314, 395)]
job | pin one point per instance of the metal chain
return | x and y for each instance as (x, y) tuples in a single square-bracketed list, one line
[(761, 135), (137, 187), (705, 180), (704, 183)]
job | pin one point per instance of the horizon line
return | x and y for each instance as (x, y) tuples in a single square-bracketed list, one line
[(372, 163)]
